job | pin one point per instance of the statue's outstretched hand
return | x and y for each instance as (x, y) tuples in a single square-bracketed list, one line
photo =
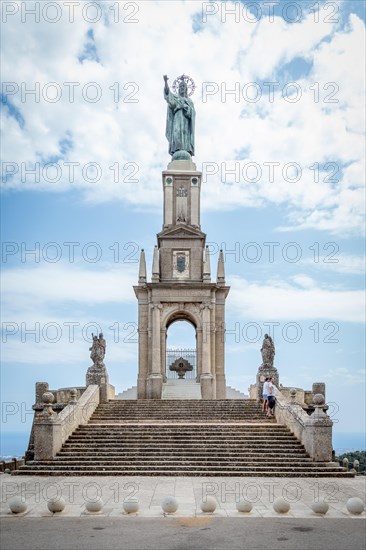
[(165, 79)]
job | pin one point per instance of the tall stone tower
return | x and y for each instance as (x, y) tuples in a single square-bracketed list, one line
[(181, 286)]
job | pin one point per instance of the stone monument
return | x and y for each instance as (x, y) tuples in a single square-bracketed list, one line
[(180, 120), (181, 286), (267, 368), (97, 373)]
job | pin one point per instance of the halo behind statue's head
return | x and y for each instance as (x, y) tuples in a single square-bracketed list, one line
[(188, 81)]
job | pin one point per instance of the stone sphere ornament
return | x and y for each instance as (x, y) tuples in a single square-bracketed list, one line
[(17, 505), (169, 505), (320, 507), (48, 397), (281, 506), (56, 505), (131, 506), (355, 505), (318, 399), (208, 505), (94, 506), (244, 506), (293, 394)]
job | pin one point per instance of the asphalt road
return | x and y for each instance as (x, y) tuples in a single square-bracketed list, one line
[(193, 533)]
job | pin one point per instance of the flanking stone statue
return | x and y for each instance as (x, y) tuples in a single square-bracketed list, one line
[(268, 351), (97, 373), (98, 350), (180, 120), (267, 369)]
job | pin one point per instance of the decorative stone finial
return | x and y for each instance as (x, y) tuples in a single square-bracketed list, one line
[(206, 265), (293, 394), (318, 400), (48, 398), (155, 267), (142, 268), (221, 269), (319, 417), (73, 394)]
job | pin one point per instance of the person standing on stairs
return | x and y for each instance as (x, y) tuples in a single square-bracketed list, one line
[(265, 395), (271, 397)]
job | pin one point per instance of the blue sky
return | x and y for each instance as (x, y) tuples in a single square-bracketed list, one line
[(304, 225)]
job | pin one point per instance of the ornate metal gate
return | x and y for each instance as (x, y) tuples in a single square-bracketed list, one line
[(173, 355)]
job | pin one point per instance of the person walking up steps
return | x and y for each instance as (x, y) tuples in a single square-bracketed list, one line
[(265, 395), (271, 397)]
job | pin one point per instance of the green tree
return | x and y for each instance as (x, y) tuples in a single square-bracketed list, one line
[(354, 455)]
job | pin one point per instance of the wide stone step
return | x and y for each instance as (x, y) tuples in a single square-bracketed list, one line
[(178, 419), (182, 442), (196, 473), (158, 459), (181, 469), (183, 436), (75, 455), (187, 443), (179, 438), (184, 429)]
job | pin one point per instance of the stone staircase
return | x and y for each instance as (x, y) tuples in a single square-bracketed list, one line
[(182, 438)]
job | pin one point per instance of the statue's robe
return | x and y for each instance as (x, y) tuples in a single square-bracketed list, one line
[(180, 123)]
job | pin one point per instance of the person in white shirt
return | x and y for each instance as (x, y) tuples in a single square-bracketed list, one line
[(271, 397), (265, 395)]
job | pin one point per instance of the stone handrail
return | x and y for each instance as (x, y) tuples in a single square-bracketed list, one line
[(78, 413), (51, 430), (314, 431), (290, 413)]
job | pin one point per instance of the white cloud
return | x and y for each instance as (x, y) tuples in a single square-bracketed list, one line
[(281, 300), (61, 283), (226, 53), (343, 263), (304, 281), (50, 311)]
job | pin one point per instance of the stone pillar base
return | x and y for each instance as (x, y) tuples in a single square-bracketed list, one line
[(47, 439), (154, 386), (220, 386), (264, 372), (207, 383), (107, 392), (141, 388), (97, 375)]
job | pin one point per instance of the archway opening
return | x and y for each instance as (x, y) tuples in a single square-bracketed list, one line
[(181, 350)]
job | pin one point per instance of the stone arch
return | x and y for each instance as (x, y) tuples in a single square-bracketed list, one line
[(181, 312)]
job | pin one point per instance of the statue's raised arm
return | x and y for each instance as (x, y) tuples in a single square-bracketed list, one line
[(180, 120)]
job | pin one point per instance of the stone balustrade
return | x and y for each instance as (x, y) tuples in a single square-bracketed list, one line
[(314, 431), (51, 430)]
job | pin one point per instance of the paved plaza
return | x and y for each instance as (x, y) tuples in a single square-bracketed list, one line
[(189, 492), (189, 528)]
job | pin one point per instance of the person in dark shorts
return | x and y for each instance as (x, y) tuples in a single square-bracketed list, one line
[(271, 398)]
